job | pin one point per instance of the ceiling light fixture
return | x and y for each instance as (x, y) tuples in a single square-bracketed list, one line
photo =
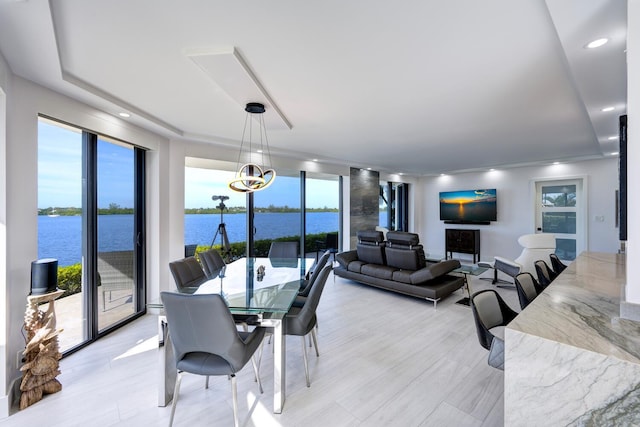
[(253, 176), (597, 43), (615, 153), (607, 109), (612, 138), (125, 115)]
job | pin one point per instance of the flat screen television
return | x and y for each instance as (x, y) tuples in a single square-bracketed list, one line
[(468, 206)]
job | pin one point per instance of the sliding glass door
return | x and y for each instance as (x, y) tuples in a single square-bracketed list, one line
[(116, 232), (91, 219)]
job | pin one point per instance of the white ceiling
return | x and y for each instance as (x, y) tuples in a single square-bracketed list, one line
[(421, 87)]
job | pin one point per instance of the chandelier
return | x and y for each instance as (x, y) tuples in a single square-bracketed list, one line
[(252, 176)]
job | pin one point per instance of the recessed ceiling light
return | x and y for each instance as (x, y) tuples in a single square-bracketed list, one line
[(612, 138), (556, 163), (615, 153), (606, 109), (315, 160), (259, 151), (597, 43), (125, 115)]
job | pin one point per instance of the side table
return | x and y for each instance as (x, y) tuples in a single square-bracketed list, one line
[(467, 270), (42, 352)]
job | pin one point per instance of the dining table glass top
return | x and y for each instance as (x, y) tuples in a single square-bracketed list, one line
[(256, 285)]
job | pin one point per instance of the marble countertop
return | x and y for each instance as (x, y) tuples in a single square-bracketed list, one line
[(581, 308)]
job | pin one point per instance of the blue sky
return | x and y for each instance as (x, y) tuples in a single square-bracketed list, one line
[(60, 169), (60, 179), (201, 184)]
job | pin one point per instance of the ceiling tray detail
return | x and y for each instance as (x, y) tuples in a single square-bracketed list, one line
[(230, 72)]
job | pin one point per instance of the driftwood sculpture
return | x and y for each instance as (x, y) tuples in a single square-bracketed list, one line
[(42, 352)]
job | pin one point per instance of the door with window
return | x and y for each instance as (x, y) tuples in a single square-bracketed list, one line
[(560, 209)]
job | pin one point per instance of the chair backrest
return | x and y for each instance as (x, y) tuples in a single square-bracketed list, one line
[(283, 254), (556, 264), (489, 310), (203, 323), (190, 250), (283, 250), (304, 321), (526, 287), (187, 273), (212, 262), (404, 251), (544, 273), (331, 241), (316, 272), (535, 247), (116, 269)]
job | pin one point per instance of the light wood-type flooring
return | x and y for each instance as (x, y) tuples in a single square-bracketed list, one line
[(385, 360)]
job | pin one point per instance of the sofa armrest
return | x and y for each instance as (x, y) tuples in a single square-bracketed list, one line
[(434, 270), (344, 258)]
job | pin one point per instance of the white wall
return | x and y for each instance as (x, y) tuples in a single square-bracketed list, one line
[(25, 101), (516, 215), (4, 307), (632, 293)]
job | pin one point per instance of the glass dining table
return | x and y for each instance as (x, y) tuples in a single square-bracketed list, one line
[(261, 286)]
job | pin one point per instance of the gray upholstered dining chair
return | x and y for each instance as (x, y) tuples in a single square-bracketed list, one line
[(283, 254), (301, 321), (212, 262), (545, 274), (527, 288), (206, 342), (557, 265), (491, 314), (188, 274), (308, 284)]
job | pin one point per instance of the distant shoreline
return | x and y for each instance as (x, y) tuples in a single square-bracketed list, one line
[(73, 211)]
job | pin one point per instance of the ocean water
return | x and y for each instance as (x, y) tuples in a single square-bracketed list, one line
[(59, 237)]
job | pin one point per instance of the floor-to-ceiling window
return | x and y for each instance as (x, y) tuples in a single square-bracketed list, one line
[(394, 206), (277, 212), (91, 219), (213, 211), (322, 204)]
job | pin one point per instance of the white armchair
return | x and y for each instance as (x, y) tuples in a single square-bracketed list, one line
[(535, 247)]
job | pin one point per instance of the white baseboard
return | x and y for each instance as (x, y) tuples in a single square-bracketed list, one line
[(630, 311)]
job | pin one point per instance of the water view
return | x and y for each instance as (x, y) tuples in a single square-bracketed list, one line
[(59, 237)]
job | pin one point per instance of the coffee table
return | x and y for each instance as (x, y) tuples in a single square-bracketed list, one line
[(467, 270)]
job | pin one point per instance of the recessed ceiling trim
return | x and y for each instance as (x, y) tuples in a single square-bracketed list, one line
[(121, 104), (230, 72)]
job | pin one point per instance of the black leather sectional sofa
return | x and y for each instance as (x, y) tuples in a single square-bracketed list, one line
[(398, 264)]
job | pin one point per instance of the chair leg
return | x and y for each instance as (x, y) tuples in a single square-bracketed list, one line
[(206, 383), (234, 395), (306, 363), (175, 397), (256, 372), (315, 342)]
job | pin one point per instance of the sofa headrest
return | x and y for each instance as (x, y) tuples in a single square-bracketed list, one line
[(405, 257), (370, 237), (402, 238)]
